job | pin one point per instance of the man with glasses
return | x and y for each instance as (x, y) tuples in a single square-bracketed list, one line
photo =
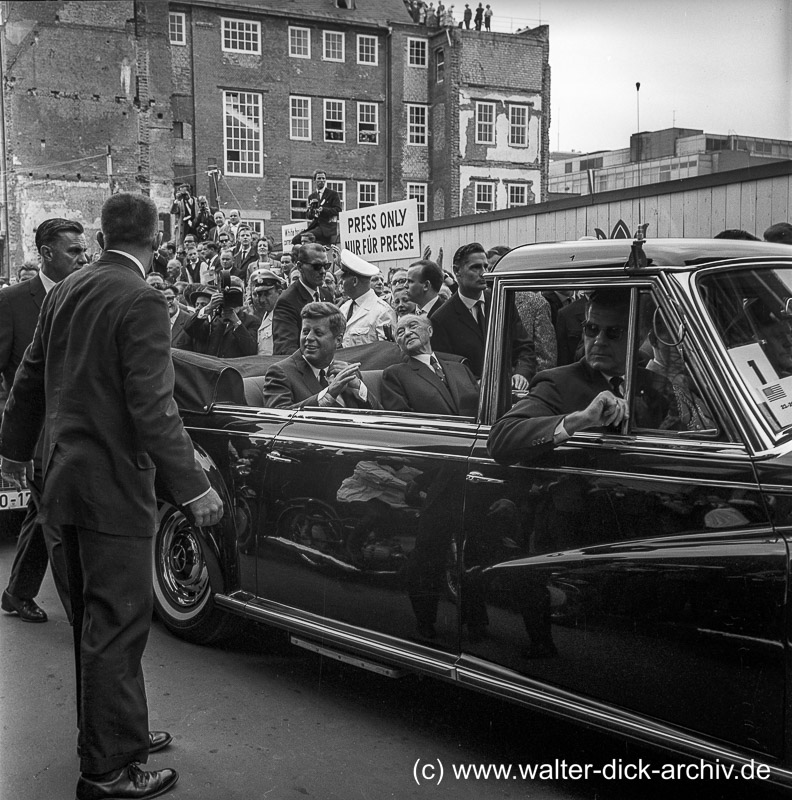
[(286, 322), (584, 395)]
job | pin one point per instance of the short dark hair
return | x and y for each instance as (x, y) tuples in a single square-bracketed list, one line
[(306, 249), (467, 250), (780, 232), (50, 229), (429, 271), (129, 219), (319, 172), (610, 297), (735, 233), (330, 312), (212, 246), (498, 250)]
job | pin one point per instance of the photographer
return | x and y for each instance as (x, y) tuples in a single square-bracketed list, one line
[(324, 206), (185, 209), (222, 328), (204, 220)]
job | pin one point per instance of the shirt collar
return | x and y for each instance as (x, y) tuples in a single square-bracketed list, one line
[(46, 281), (309, 289), (131, 258), (429, 305), (470, 303)]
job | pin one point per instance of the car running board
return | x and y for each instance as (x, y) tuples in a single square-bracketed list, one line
[(355, 661)]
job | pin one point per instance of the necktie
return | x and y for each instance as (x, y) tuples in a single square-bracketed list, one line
[(350, 310), (322, 379), (480, 318), (439, 371), (616, 384), (316, 296)]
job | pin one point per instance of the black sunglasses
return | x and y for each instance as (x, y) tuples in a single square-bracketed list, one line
[(613, 332)]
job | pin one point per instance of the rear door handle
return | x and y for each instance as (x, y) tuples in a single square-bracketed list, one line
[(274, 455), (477, 477)]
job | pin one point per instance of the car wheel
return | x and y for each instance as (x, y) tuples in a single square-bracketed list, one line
[(182, 591)]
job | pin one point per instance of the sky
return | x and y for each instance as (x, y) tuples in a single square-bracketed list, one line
[(724, 66)]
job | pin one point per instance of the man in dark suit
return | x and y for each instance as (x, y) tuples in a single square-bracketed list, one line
[(584, 395), (312, 376), (98, 376), (460, 326), (176, 312), (62, 249), (424, 281), (286, 321), (425, 383), (244, 253), (324, 206)]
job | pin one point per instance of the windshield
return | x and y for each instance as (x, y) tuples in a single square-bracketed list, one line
[(752, 311)]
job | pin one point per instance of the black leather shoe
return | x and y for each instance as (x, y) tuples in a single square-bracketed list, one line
[(131, 782), (27, 609), (159, 740)]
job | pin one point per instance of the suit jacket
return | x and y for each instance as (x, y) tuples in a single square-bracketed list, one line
[(240, 265), (99, 377), (19, 312), (527, 429), (455, 331), (324, 225), (217, 337), (178, 326), (286, 321), (291, 383), (413, 386), (438, 304)]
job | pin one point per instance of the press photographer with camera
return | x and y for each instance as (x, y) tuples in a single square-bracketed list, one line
[(324, 206), (222, 328)]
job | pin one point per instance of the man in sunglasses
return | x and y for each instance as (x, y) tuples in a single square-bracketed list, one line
[(586, 394)]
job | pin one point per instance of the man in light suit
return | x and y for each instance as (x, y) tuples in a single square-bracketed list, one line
[(425, 383), (312, 376), (584, 395), (286, 321), (368, 318), (62, 249), (324, 206), (460, 325), (98, 377)]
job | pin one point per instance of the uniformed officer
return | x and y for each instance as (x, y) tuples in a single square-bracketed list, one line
[(368, 317)]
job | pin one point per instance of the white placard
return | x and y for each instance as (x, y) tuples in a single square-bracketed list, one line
[(288, 232), (382, 233), (758, 373)]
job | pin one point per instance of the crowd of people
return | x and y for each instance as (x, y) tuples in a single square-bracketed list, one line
[(442, 16)]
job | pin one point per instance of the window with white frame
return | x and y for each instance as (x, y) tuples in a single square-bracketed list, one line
[(368, 193), (255, 225), (241, 36), (300, 118), (417, 53), (177, 27), (300, 189), (418, 192), (485, 123), (340, 187), (518, 126), (333, 46), (485, 197), (368, 123), (334, 118), (367, 52), (517, 195), (439, 65), (299, 42), (242, 133), (416, 125)]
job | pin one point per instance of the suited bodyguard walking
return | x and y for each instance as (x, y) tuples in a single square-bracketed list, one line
[(99, 379)]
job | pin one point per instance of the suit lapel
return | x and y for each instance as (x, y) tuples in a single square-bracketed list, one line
[(428, 375), (37, 293), (306, 374), (466, 317)]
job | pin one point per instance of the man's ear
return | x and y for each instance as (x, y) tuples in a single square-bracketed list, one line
[(100, 239)]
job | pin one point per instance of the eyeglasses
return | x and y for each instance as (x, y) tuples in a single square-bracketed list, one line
[(613, 332), (317, 265)]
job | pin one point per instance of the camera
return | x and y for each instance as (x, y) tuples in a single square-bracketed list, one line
[(233, 296)]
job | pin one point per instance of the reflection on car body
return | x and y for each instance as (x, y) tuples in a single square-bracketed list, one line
[(634, 578)]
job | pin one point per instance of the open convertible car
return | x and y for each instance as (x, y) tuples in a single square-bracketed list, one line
[(632, 579)]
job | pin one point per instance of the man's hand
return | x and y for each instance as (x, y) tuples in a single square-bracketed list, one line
[(605, 409), (16, 472), (207, 510), (343, 376), (520, 383), (230, 315)]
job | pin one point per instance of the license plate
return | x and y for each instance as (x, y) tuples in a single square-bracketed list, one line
[(12, 499)]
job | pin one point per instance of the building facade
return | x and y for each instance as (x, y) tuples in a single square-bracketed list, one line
[(659, 156), (244, 100)]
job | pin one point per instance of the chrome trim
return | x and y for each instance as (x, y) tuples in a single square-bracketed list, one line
[(477, 477), (274, 455), (472, 672), (285, 438), (390, 649)]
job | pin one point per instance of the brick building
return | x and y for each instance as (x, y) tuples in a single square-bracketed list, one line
[(245, 99)]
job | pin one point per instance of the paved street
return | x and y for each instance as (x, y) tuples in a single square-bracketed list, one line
[(259, 719)]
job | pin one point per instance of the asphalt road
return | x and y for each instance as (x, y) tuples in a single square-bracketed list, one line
[(259, 719)]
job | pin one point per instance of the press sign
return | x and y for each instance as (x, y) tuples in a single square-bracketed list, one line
[(382, 233)]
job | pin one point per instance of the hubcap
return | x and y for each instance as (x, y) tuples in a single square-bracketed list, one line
[(183, 575)]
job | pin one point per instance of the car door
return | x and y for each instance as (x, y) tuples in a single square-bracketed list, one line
[(635, 567), (362, 524)]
